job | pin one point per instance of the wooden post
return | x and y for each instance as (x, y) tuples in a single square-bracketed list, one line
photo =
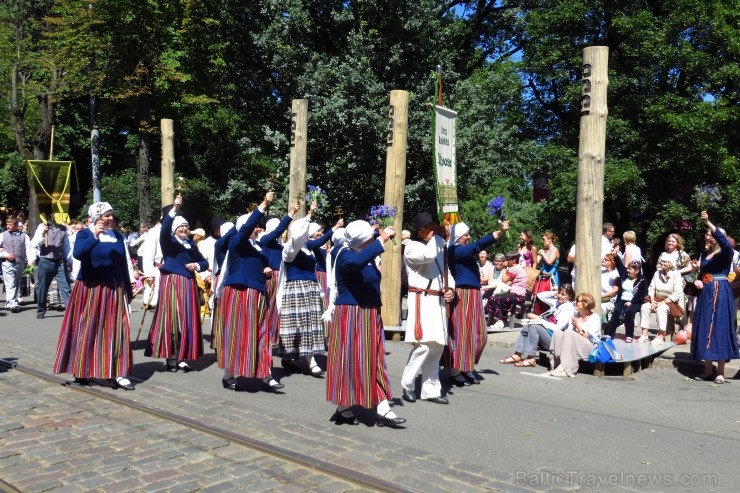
[(591, 155), (298, 145), (168, 162), (395, 181)]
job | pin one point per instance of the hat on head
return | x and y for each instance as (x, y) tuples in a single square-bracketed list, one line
[(177, 222), (98, 209), (357, 233), (272, 225), (225, 227), (242, 220), (198, 231), (421, 220), (313, 228), (457, 231), (216, 222), (338, 238)]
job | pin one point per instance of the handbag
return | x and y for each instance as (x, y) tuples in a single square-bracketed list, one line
[(675, 310), (688, 277), (532, 274), (604, 351)]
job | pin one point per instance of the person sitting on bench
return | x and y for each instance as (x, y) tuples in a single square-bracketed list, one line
[(665, 288), (574, 343), (539, 329), (500, 305)]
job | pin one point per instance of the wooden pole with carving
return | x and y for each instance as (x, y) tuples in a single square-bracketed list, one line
[(168, 162), (395, 181), (591, 156), (298, 146)]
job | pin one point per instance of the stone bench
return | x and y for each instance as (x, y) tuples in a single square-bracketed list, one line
[(635, 356)]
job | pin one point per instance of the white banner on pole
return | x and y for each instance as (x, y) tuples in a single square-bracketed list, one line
[(444, 154)]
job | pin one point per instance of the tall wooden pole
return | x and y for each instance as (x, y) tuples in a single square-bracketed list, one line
[(591, 156), (395, 181), (168, 161), (298, 145)]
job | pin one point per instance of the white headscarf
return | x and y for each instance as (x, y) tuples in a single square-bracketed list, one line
[(225, 228), (457, 231), (313, 228), (98, 209), (177, 222), (242, 220), (271, 225), (358, 232)]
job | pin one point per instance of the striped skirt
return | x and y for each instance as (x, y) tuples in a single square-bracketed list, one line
[(217, 330), (246, 349), (272, 318), (94, 341), (356, 370), (467, 331), (176, 330), (301, 327)]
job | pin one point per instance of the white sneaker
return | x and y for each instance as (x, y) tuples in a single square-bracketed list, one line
[(658, 341), (498, 325), (643, 339)]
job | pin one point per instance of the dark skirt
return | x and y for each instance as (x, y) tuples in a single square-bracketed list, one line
[(94, 341), (713, 335)]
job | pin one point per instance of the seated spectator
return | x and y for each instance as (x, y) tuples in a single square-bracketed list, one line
[(575, 342), (632, 290), (500, 305), (539, 331), (496, 284), (665, 288), (609, 285), (485, 268)]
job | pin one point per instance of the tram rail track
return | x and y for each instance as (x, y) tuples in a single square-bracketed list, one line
[(333, 470)]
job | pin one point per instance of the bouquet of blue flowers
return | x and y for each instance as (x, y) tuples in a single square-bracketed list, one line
[(496, 208), (706, 195), (384, 216), (316, 194)]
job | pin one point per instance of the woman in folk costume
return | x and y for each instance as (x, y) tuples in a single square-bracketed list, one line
[(467, 333), (272, 248), (714, 336), (301, 306), (95, 338), (176, 332), (356, 368), (246, 349), (316, 231), (220, 248)]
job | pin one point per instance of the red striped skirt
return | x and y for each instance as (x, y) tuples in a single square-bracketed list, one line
[(246, 349), (176, 330), (94, 341), (272, 317), (467, 331), (356, 370), (217, 328)]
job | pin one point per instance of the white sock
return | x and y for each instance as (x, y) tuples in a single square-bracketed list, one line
[(123, 381), (311, 362), (384, 409)]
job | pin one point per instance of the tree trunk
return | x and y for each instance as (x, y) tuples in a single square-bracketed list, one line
[(144, 157)]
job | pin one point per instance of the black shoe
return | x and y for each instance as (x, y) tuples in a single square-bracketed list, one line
[(389, 422), (317, 372), (230, 384), (438, 400), (459, 380), (472, 378), (124, 386), (272, 385), (85, 382), (16, 309), (172, 369), (290, 365), (408, 396), (341, 419), (184, 367), (39, 316)]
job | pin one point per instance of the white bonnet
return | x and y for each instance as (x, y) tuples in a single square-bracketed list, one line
[(225, 227), (272, 224), (457, 231), (357, 233), (242, 220), (313, 228), (98, 209), (177, 222)]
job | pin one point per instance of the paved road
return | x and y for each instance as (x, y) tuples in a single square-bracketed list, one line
[(517, 431)]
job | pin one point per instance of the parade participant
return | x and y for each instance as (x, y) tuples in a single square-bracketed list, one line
[(357, 374), (226, 230), (316, 231), (426, 324), (714, 336), (176, 332), (54, 262), (468, 333), (151, 257), (246, 349), (16, 253), (301, 304), (575, 342), (94, 341), (272, 248)]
